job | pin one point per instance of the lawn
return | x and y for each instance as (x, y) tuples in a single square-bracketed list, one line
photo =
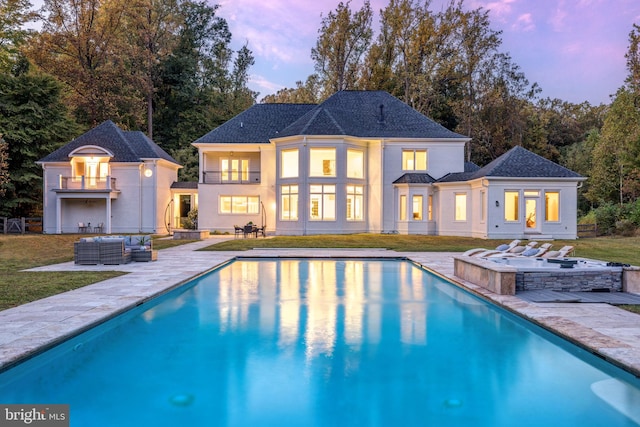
[(19, 252)]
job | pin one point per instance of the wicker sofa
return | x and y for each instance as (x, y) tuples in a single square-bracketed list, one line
[(113, 250)]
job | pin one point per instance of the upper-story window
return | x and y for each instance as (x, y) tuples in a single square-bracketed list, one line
[(234, 170), (355, 164), (289, 163), (414, 160), (322, 162), (91, 169)]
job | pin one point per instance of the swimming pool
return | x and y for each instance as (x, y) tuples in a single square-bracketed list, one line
[(323, 342)]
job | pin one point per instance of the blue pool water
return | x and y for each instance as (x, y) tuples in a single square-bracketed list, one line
[(323, 343)]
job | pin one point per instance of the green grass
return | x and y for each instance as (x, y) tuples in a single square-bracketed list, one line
[(20, 252), (26, 251)]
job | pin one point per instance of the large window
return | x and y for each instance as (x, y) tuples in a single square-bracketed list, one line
[(289, 163), (322, 162), (323, 202), (417, 208), (355, 202), (239, 204), (460, 208), (552, 206), (355, 164), (289, 203), (414, 160), (511, 203), (403, 208), (234, 170), (91, 169)]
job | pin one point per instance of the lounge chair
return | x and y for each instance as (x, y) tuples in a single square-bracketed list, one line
[(502, 248), (511, 252), (529, 252), (561, 253)]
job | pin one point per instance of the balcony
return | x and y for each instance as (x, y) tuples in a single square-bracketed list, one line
[(84, 183), (232, 177)]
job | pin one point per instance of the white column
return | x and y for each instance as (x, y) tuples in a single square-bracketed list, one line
[(58, 215), (108, 219)]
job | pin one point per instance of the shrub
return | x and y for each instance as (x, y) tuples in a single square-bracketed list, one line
[(606, 217), (625, 228), (191, 222)]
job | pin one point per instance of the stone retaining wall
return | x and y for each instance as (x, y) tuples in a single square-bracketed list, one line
[(570, 281)]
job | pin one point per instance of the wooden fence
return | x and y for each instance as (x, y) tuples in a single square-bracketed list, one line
[(587, 230), (20, 225)]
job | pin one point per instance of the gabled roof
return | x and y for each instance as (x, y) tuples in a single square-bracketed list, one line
[(516, 163), (126, 146), (375, 114), (258, 124), (415, 178)]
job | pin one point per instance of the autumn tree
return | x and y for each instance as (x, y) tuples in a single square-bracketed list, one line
[(343, 38), (304, 93), (83, 44)]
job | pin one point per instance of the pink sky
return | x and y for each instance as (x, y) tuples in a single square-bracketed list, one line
[(574, 49)]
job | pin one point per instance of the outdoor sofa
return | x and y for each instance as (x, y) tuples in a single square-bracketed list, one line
[(114, 250)]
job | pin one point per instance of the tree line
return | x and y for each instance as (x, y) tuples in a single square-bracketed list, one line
[(166, 67)]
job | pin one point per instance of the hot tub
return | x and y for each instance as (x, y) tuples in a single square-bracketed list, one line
[(507, 275)]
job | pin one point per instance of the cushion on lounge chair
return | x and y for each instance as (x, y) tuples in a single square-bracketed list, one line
[(502, 247), (529, 252)]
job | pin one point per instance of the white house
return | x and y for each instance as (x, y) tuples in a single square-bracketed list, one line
[(360, 162), (108, 180), (363, 161)]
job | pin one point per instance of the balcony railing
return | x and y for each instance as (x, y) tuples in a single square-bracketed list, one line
[(219, 177), (86, 183)]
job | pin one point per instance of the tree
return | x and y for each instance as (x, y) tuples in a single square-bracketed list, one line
[(343, 38), (633, 60), (83, 43), (33, 122), (616, 155), (14, 14), (4, 166), (304, 93)]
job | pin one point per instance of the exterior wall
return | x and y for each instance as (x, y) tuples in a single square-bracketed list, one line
[(138, 207), (564, 228), (495, 226), (442, 157), (411, 225), (209, 215)]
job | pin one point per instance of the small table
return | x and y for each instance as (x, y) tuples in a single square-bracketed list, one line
[(144, 256)]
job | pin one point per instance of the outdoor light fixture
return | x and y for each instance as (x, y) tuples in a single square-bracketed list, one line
[(148, 173), (497, 204)]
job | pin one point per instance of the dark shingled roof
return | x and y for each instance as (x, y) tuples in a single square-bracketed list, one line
[(415, 178), (188, 185), (515, 163), (126, 146), (375, 114), (257, 124)]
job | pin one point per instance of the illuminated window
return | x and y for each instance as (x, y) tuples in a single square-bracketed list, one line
[(289, 203), (322, 202), (430, 208), (91, 169), (417, 208), (403, 208), (239, 204), (511, 203), (234, 170), (460, 207), (414, 160), (289, 163), (322, 162), (552, 206), (355, 164), (355, 202)]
